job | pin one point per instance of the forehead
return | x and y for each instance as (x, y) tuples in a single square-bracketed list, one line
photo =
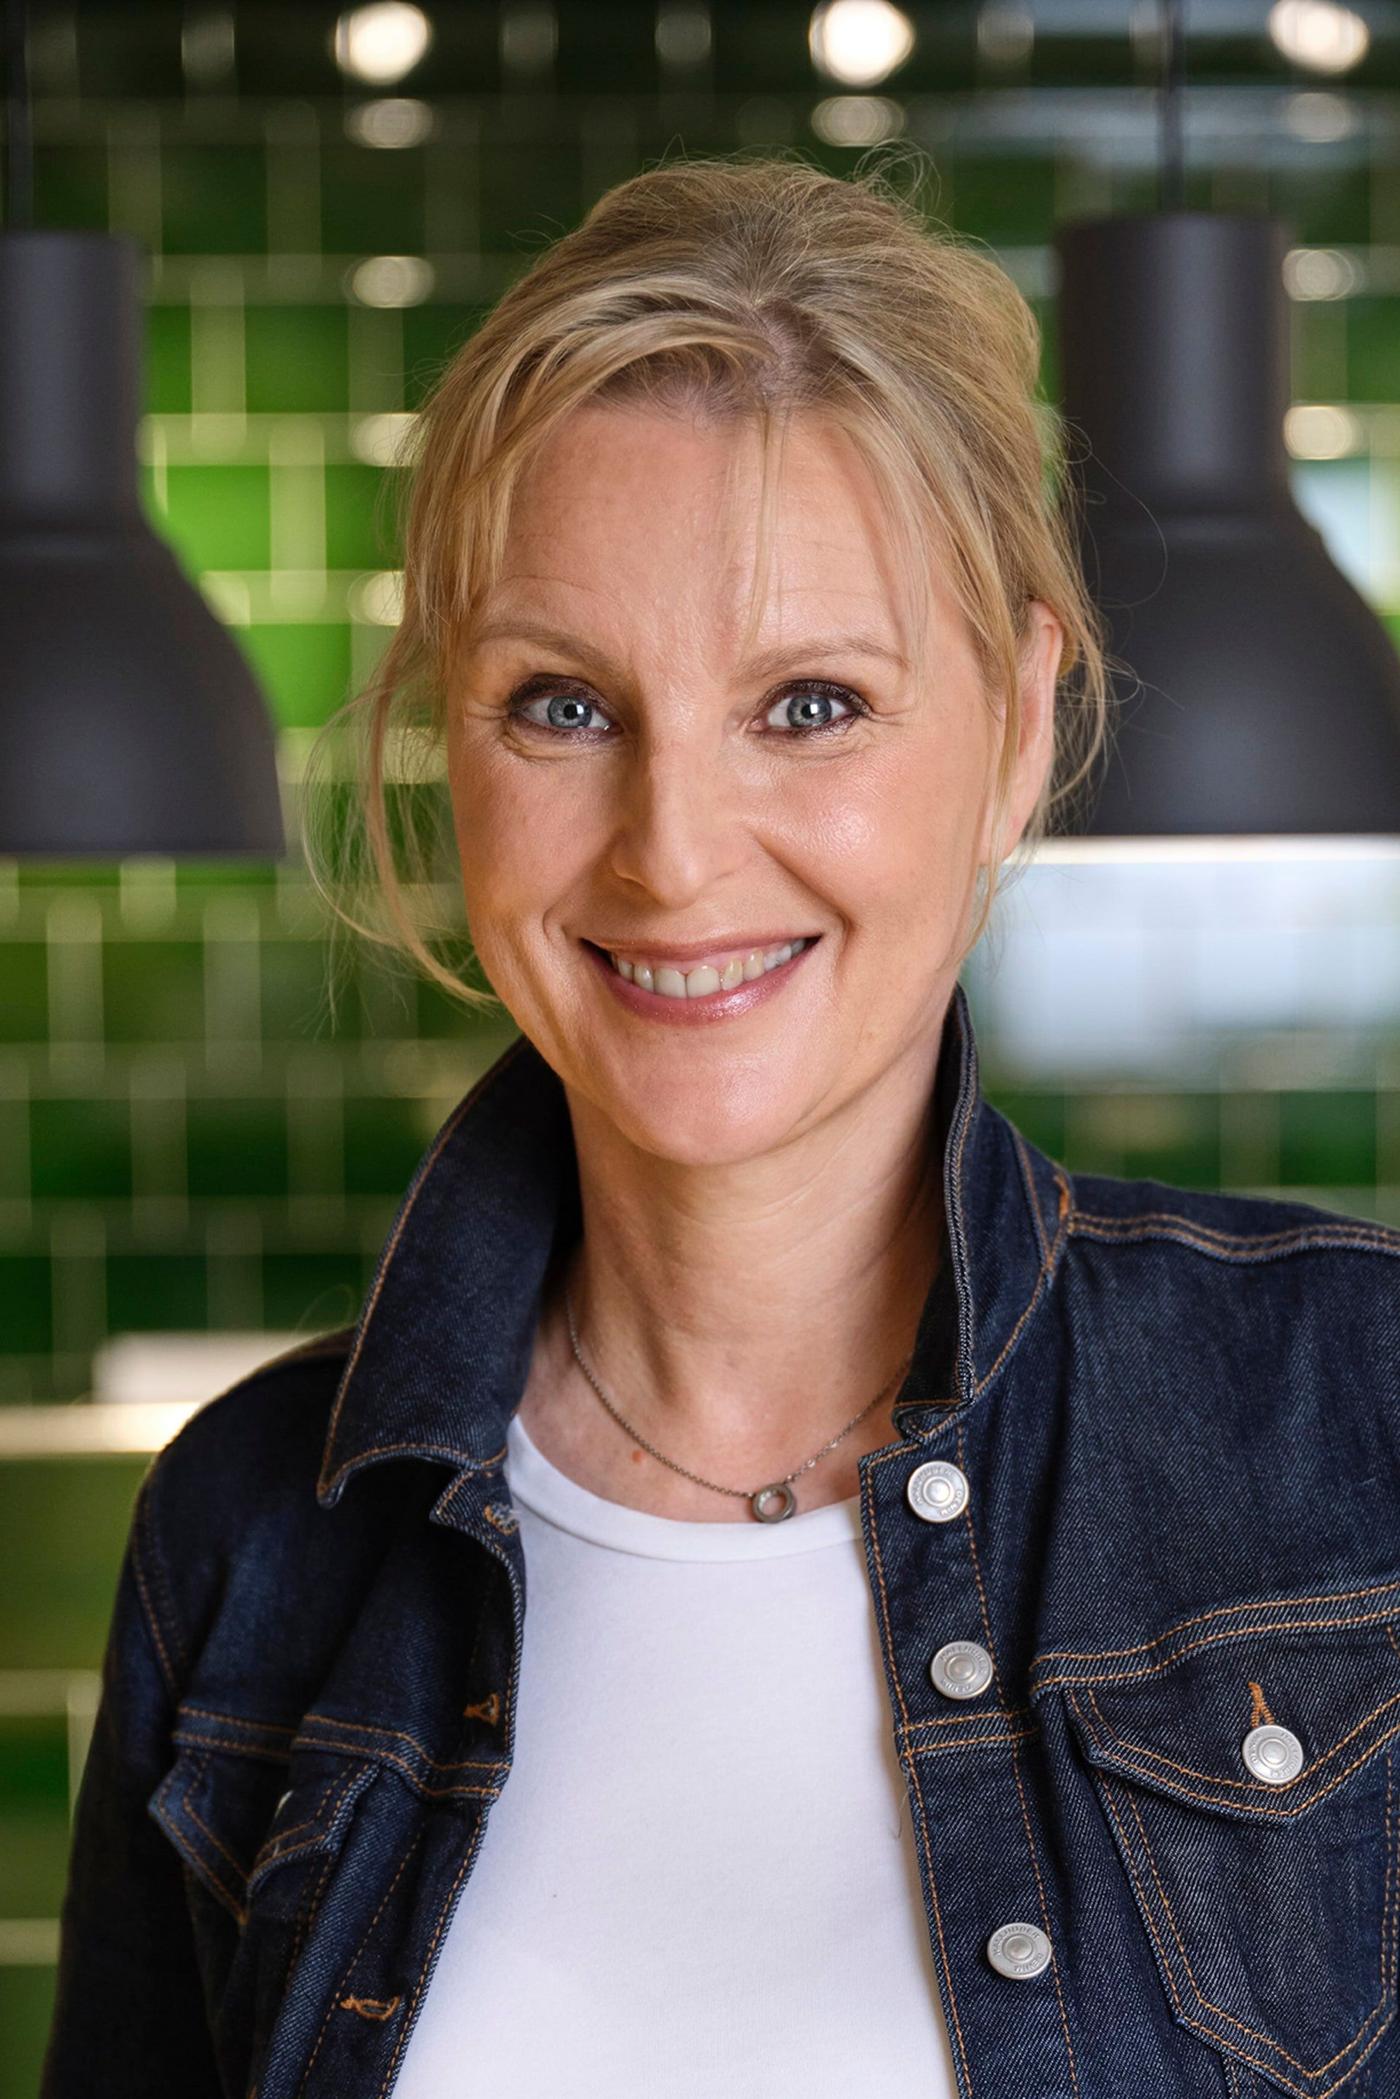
[(638, 509)]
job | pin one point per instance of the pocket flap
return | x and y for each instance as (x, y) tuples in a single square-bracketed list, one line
[(1179, 1725), (239, 1807), (1269, 1908)]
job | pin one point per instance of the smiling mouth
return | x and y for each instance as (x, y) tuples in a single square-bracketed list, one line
[(704, 980)]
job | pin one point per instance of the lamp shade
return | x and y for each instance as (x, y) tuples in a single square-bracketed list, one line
[(1261, 692), (130, 721)]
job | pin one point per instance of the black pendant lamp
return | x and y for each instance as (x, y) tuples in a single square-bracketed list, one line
[(1264, 692), (130, 721)]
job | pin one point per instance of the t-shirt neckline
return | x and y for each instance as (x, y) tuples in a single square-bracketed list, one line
[(539, 1484)]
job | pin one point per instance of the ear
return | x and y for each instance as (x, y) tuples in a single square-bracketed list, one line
[(1041, 650)]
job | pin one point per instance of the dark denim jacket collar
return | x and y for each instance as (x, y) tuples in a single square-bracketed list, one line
[(443, 1345)]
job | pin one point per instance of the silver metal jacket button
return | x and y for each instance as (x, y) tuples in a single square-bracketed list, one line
[(1273, 1753), (937, 1491), (961, 1669), (1018, 1950)]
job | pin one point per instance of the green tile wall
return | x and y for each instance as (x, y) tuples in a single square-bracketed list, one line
[(185, 1141)]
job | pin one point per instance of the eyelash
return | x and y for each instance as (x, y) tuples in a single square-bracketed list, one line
[(537, 688)]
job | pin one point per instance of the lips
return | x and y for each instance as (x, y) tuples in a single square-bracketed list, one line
[(695, 955), (697, 1010)]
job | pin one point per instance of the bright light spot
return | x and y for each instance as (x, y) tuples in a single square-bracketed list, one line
[(857, 120), (1318, 34), (382, 42), (377, 599), (391, 122), (1005, 32), (1318, 430), (383, 440), (1319, 273), (859, 42), (392, 280), (529, 36), (207, 47), (683, 34), (1319, 118)]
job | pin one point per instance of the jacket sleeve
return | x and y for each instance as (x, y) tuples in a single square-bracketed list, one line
[(129, 2014)]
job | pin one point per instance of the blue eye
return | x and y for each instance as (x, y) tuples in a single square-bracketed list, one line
[(566, 710), (821, 693)]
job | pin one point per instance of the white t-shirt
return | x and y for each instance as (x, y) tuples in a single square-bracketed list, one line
[(700, 1880)]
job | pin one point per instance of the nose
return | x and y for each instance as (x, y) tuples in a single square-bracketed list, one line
[(679, 813)]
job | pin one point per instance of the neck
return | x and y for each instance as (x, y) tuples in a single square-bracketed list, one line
[(739, 1317)]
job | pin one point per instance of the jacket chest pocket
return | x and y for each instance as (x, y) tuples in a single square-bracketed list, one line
[(1251, 1777), (260, 1820)]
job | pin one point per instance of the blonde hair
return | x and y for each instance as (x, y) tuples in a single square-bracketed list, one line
[(755, 287)]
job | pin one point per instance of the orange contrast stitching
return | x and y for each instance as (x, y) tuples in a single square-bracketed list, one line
[(1279, 1814), (1016, 1774), (181, 1735), (389, 1756), (209, 1712), (325, 1811), (1253, 1786), (138, 1527), (1224, 1610), (1237, 1632), (280, 1840), (992, 1719), (195, 1816), (1219, 2010), (1389, 1869), (355, 1956), (383, 1756), (1028, 1176), (1209, 1237), (364, 1727), (918, 1817), (1042, 1279), (426, 1969), (1024, 1734), (309, 1908), (1182, 2012), (921, 1827), (869, 1495), (371, 2007), (198, 1868), (493, 1072)]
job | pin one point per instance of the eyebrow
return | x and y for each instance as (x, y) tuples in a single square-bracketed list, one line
[(506, 626)]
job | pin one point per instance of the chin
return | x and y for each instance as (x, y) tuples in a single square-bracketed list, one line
[(695, 1125)]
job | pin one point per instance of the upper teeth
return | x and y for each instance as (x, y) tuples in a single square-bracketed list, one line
[(706, 977)]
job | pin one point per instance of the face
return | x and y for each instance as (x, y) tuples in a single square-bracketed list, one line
[(626, 776)]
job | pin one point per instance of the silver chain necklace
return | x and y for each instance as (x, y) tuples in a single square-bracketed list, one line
[(770, 1504)]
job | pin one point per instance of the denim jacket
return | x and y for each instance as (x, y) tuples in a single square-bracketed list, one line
[(1158, 1506)]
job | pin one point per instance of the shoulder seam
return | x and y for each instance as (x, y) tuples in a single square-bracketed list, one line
[(1357, 1233), (149, 1580)]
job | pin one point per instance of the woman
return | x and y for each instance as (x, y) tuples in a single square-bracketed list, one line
[(963, 1639)]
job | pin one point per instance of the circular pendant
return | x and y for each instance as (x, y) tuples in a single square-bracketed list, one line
[(784, 1497)]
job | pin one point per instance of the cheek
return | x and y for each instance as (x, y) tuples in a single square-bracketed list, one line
[(500, 815), (897, 837)]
